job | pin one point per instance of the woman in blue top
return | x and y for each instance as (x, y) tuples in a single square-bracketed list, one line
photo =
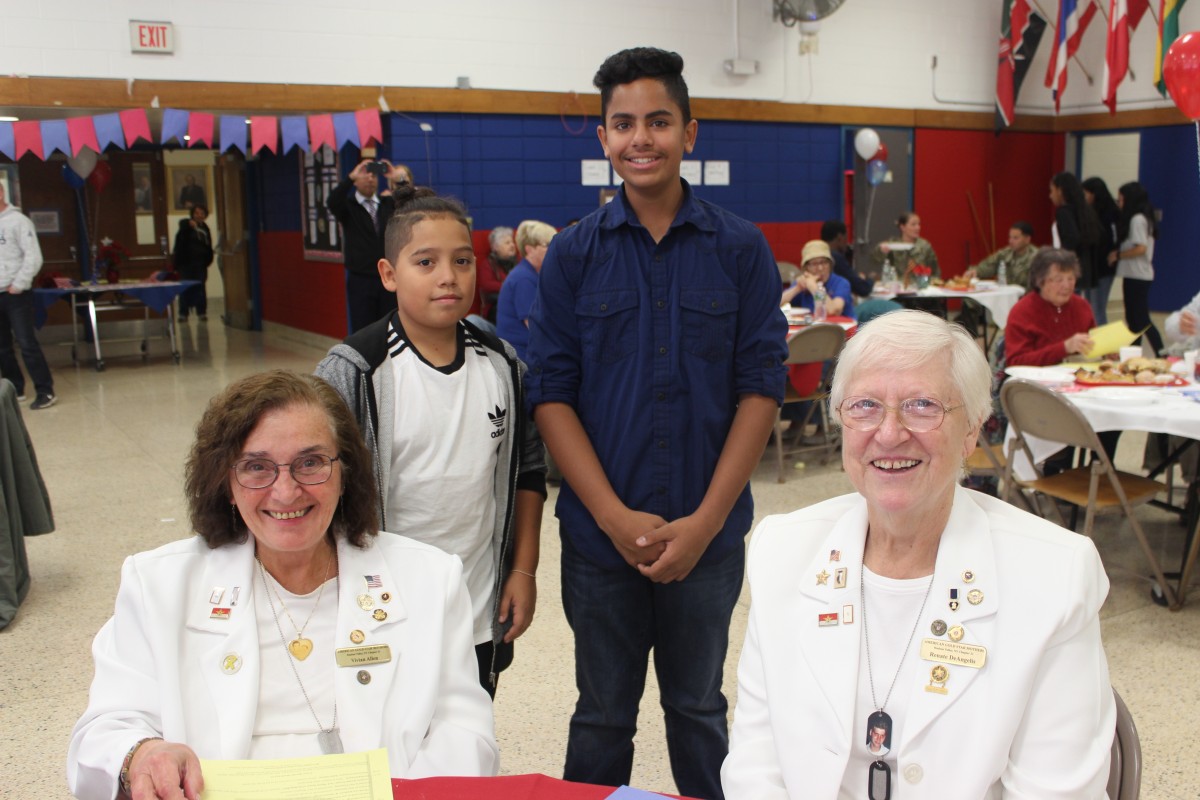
[(520, 288), (817, 268)]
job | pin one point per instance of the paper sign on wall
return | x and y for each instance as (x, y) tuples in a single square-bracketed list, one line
[(690, 171), (716, 173), (594, 172)]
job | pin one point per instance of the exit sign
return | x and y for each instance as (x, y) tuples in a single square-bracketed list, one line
[(151, 37)]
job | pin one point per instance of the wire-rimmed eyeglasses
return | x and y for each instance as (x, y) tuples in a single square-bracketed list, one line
[(259, 473), (917, 414)]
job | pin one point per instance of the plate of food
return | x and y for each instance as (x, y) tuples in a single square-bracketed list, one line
[(1050, 376), (960, 284), (899, 247), (1134, 372), (1121, 396)]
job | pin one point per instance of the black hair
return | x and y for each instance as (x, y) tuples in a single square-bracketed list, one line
[(415, 204), (1102, 199), (1137, 201), (1024, 227), (1091, 230), (831, 229), (903, 219), (636, 63)]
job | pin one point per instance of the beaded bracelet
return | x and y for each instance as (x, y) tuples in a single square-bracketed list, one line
[(124, 776)]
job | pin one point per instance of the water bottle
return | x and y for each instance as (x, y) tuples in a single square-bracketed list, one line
[(819, 313), (1002, 274), (889, 277)]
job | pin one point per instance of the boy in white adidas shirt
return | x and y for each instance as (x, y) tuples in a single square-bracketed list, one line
[(458, 461)]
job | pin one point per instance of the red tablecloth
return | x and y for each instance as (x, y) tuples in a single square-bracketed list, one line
[(510, 787)]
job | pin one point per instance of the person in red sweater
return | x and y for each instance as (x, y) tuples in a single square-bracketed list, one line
[(1050, 322)]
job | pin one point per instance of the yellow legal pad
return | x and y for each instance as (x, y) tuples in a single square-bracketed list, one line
[(1109, 339), (348, 776)]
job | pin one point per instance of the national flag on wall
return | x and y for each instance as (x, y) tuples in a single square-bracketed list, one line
[(1116, 51), (1073, 19), (1020, 33), (1137, 9), (1168, 32)]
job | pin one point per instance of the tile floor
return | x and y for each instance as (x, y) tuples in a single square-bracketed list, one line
[(111, 452)]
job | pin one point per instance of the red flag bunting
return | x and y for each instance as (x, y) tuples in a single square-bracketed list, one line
[(83, 134), (1116, 51), (320, 131), (264, 132), (136, 126), (28, 138), (200, 129), (370, 130)]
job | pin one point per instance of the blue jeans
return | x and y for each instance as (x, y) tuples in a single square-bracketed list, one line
[(16, 319), (618, 617)]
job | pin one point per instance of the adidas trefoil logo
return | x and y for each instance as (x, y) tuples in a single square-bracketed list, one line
[(498, 420)]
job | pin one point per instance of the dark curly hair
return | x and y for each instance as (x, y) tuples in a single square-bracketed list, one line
[(414, 204), (636, 63), (222, 432)]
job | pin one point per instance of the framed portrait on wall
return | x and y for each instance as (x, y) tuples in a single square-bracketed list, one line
[(10, 180), (143, 190), (318, 177), (187, 186)]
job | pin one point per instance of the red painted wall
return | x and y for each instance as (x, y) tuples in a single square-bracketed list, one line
[(787, 238), (308, 295), (949, 164)]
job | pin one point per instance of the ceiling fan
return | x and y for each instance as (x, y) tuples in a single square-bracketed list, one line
[(791, 12)]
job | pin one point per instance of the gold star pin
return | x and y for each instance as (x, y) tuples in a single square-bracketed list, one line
[(822, 578)]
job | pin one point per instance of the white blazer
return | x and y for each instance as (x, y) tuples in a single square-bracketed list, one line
[(163, 665), (1036, 721)]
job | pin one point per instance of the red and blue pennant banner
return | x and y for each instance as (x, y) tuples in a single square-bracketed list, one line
[(191, 128)]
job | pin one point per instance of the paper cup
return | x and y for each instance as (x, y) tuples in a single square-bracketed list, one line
[(1130, 352), (1189, 364)]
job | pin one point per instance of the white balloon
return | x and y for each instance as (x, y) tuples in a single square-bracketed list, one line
[(85, 162), (866, 143)]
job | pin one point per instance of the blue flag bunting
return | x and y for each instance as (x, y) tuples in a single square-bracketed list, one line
[(108, 131), (8, 143), (233, 133), (295, 133), (55, 137), (174, 125), (345, 128)]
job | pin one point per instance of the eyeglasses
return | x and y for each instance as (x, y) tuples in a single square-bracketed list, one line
[(259, 473), (917, 414)]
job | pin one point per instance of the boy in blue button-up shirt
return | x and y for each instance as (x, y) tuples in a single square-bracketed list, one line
[(656, 351)]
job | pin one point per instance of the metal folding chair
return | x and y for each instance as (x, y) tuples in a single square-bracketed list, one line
[(813, 345), (1034, 410), (1125, 772)]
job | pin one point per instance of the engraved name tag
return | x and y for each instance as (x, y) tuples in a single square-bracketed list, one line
[(964, 655), (363, 656)]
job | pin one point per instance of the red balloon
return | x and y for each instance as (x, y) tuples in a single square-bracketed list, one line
[(881, 153), (1181, 71), (100, 176)]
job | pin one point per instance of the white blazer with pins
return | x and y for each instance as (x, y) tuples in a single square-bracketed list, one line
[(163, 663), (1036, 721)]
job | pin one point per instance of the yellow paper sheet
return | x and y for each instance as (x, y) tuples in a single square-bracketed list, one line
[(349, 776), (1109, 339)]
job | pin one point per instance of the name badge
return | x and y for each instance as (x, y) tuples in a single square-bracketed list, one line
[(964, 655), (363, 656)]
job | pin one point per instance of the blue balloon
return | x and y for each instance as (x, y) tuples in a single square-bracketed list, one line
[(876, 170), (72, 177)]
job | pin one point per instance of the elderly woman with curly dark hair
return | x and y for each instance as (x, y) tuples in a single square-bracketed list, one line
[(278, 630)]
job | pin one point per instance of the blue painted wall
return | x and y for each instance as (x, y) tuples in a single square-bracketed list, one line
[(1168, 169), (507, 168)]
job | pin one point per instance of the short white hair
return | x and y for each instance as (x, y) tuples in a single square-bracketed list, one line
[(910, 340), (499, 234)]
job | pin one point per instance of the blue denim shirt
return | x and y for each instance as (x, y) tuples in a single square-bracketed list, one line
[(652, 345)]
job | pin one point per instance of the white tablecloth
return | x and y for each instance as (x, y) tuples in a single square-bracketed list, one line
[(1169, 412), (999, 301)]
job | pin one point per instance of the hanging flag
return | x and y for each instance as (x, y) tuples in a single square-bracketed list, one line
[(55, 137), (1116, 51), (1168, 32), (28, 135), (1073, 19), (345, 129), (320, 131), (264, 132), (233, 133), (108, 131), (174, 125), (1020, 33), (8, 143), (136, 126), (200, 129), (295, 134), (1137, 9), (83, 134), (369, 129)]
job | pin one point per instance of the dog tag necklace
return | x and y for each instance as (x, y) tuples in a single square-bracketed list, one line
[(329, 740), (879, 724)]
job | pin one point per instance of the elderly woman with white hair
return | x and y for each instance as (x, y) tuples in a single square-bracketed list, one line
[(917, 639)]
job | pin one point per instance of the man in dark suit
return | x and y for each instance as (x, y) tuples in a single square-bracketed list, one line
[(364, 215)]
